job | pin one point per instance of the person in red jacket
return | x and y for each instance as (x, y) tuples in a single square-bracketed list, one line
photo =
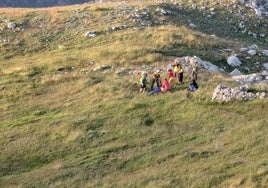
[(166, 86), (171, 75)]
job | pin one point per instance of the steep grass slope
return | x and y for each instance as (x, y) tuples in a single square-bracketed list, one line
[(81, 128)]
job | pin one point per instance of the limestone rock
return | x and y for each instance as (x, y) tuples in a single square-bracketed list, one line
[(224, 93), (92, 34), (234, 61), (265, 66), (252, 52), (235, 72), (265, 52), (11, 25)]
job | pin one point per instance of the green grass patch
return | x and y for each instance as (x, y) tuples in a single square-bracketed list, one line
[(64, 125)]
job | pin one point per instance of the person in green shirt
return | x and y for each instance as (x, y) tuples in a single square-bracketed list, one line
[(143, 81)]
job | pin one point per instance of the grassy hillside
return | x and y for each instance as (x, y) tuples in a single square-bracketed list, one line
[(64, 125)]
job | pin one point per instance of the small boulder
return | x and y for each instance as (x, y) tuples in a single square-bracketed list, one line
[(265, 66), (243, 49), (265, 52), (102, 68), (92, 34), (11, 25), (252, 52), (235, 72), (234, 61)]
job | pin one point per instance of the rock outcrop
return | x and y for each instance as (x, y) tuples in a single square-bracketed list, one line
[(260, 7), (234, 61), (223, 93)]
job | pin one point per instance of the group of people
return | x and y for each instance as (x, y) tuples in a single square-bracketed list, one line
[(174, 73)]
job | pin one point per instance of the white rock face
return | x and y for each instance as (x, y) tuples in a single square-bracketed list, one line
[(265, 66), (92, 34), (11, 25), (243, 49), (224, 93), (241, 2), (188, 62), (257, 81), (252, 52), (248, 79), (209, 66), (257, 5), (235, 72), (265, 52), (234, 61), (102, 68)]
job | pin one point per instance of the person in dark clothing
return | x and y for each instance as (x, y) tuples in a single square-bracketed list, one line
[(193, 85), (194, 69), (180, 74)]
